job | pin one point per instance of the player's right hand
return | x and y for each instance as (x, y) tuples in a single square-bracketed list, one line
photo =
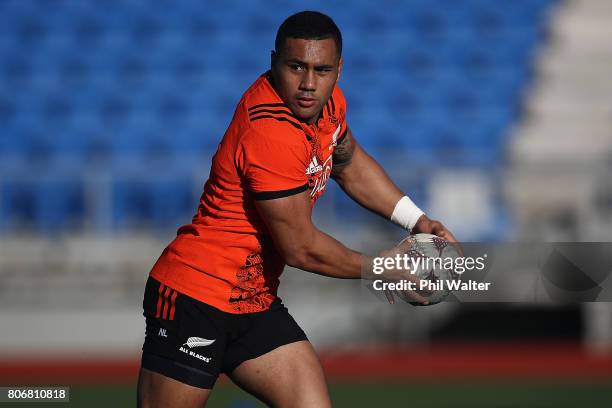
[(399, 274)]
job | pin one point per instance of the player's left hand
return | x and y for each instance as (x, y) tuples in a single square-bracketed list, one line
[(426, 226)]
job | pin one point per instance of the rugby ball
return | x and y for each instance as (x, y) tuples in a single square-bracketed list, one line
[(433, 260)]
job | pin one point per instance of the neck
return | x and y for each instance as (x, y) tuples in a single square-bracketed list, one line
[(314, 119)]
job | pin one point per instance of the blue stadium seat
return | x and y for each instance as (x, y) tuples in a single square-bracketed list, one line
[(45, 204), (132, 83), (131, 205), (160, 203), (174, 200)]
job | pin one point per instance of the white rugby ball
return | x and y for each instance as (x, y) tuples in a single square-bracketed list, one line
[(433, 260)]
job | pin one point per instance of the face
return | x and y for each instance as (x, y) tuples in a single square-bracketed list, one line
[(305, 73)]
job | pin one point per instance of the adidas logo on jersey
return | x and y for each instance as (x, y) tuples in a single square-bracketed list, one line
[(314, 167)]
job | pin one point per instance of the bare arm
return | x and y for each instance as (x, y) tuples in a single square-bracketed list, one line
[(304, 246), (363, 179)]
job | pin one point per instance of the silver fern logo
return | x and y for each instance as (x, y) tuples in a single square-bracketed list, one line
[(198, 342)]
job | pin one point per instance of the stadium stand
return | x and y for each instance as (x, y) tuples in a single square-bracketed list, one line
[(110, 112), (125, 90), (566, 142)]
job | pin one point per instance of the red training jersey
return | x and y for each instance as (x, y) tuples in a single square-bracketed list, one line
[(225, 257)]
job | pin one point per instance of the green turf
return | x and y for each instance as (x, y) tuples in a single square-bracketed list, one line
[(456, 395)]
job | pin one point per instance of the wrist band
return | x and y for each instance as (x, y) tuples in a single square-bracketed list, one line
[(406, 213)]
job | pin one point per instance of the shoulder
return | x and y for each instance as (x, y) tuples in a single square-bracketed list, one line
[(335, 109), (337, 102), (266, 114), (270, 117)]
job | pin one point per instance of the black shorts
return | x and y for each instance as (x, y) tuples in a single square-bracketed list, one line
[(193, 342)]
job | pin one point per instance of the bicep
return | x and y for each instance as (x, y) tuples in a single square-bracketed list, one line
[(288, 220), (343, 154)]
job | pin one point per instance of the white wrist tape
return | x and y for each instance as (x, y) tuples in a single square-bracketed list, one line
[(406, 213)]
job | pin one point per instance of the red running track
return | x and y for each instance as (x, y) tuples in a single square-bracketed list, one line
[(488, 361)]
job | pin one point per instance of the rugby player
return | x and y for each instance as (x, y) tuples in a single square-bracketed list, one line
[(210, 301)]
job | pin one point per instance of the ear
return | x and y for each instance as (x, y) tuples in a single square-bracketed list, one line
[(340, 64)]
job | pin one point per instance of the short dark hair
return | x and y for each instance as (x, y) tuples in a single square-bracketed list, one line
[(308, 25)]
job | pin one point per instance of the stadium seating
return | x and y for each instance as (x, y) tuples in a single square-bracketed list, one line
[(99, 85)]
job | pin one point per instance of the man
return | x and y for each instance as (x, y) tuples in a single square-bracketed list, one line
[(210, 302)]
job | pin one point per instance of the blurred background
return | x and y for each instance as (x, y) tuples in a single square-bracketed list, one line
[(494, 116)]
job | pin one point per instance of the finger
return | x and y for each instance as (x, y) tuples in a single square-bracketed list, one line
[(418, 284), (405, 245), (415, 297), (459, 248), (453, 241), (447, 235), (450, 238), (389, 296), (425, 292), (441, 231)]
